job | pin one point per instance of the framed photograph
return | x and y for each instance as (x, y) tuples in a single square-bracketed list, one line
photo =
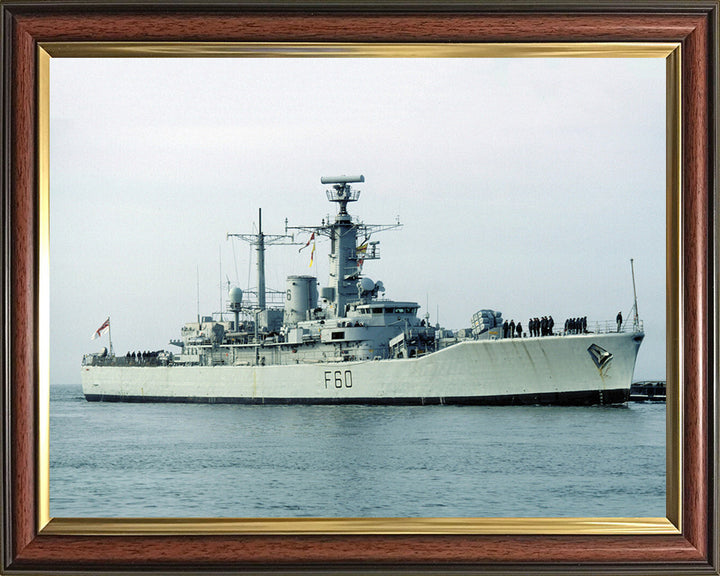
[(517, 104)]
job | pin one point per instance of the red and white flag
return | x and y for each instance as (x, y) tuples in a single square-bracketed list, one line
[(100, 331), (311, 239)]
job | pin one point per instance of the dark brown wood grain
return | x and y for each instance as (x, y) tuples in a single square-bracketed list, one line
[(696, 202), (694, 24), (345, 27), (23, 290), (358, 550)]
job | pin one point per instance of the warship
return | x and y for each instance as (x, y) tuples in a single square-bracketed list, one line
[(344, 343)]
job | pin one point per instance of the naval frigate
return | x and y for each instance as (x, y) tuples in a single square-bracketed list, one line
[(344, 343)]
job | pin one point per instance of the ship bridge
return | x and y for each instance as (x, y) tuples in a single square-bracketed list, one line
[(384, 307), (386, 313)]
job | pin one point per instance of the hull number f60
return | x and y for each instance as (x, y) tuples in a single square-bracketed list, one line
[(338, 379)]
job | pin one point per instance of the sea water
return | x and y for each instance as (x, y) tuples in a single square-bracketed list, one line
[(201, 460)]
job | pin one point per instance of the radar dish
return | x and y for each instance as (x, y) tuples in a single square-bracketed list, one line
[(235, 295), (367, 284)]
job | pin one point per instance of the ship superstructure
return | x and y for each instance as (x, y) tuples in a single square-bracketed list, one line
[(345, 343)]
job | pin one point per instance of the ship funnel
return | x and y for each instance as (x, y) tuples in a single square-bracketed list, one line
[(302, 295)]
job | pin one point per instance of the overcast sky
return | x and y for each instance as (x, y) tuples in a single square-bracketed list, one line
[(523, 185)]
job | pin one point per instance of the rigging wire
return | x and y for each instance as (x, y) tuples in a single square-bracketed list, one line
[(237, 274)]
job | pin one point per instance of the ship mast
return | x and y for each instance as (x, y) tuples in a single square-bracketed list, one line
[(260, 240), (636, 321), (112, 353), (345, 257)]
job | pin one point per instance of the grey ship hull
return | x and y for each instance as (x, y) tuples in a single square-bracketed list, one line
[(549, 370)]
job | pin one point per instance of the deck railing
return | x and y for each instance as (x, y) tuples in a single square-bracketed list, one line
[(601, 327), (608, 326), (105, 360)]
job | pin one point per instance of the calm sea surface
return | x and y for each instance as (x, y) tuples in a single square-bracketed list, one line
[(195, 460)]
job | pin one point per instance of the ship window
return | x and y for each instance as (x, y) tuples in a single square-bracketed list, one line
[(377, 310), (340, 335)]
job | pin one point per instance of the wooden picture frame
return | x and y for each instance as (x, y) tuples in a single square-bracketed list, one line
[(687, 543)]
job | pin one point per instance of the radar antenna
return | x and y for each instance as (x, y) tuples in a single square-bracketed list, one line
[(342, 193)]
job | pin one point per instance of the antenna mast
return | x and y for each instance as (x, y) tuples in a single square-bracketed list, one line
[(110, 338), (260, 240), (221, 282), (636, 321)]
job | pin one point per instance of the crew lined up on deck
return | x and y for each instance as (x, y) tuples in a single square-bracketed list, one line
[(141, 356), (536, 327), (541, 326), (576, 325)]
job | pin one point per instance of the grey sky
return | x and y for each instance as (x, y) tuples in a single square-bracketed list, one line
[(524, 185)]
